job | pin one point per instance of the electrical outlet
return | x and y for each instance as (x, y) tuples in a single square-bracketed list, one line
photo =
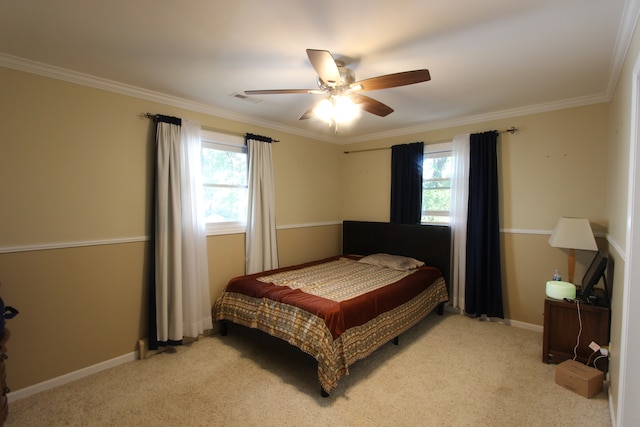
[(593, 346)]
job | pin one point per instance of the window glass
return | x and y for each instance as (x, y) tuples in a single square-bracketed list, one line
[(225, 185), (436, 184), (224, 173)]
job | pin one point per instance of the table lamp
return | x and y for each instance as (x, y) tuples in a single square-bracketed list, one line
[(572, 234)]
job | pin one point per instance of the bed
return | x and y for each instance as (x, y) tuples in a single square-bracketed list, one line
[(340, 309)]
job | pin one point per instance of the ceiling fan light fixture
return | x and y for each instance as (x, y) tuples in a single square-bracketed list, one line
[(344, 109), (324, 110), (337, 109)]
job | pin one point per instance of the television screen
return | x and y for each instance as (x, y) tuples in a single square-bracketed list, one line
[(592, 276)]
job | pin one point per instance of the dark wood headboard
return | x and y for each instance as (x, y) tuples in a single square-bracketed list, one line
[(428, 243)]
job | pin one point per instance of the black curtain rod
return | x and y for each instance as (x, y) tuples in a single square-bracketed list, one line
[(512, 130), (154, 117), (258, 138)]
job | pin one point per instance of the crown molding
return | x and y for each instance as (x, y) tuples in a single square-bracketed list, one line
[(481, 118), (33, 67), (51, 71), (630, 16)]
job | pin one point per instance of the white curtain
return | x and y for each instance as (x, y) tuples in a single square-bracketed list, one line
[(261, 243), (181, 269), (196, 301), (459, 207)]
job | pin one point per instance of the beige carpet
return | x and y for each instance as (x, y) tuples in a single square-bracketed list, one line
[(447, 371)]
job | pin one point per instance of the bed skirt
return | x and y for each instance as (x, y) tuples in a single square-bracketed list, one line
[(309, 332)]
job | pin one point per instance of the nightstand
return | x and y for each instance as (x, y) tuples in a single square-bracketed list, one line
[(561, 327)]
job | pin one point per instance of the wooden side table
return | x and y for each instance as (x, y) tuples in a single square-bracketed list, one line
[(562, 322)]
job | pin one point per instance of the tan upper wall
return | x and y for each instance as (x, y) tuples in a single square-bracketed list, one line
[(554, 166), (75, 164), (619, 137)]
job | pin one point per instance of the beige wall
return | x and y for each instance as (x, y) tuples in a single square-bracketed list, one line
[(300, 245), (75, 166), (295, 246), (78, 307), (619, 137), (552, 167), (555, 166), (75, 180)]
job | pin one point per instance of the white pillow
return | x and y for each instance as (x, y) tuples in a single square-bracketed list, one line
[(397, 262)]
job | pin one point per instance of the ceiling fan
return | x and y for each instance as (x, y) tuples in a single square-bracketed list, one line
[(339, 83)]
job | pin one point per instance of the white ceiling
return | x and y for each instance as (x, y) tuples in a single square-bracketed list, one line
[(487, 59)]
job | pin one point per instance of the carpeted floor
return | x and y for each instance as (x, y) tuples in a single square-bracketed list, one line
[(447, 371)]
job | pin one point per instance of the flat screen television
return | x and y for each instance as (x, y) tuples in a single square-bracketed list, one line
[(591, 278)]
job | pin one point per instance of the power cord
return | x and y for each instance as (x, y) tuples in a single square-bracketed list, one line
[(593, 354), (575, 349), (602, 353), (596, 359)]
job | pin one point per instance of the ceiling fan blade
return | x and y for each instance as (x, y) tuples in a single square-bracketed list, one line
[(307, 114), (280, 91), (325, 66), (371, 105), (392, 80)]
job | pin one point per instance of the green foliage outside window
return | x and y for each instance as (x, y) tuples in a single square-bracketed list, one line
[(436, 188), (225, 185)]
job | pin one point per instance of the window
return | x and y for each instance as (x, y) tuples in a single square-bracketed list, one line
[(436, 184), (224, 173)]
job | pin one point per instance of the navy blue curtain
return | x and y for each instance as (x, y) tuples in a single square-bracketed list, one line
[(483, 291), (406, 183)]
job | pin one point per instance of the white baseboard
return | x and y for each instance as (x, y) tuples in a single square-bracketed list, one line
[(524, 325), (612, 414), (508, 322), (71, 376), (107, 364)]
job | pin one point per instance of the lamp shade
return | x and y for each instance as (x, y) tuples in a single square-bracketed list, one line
[(573, 233)]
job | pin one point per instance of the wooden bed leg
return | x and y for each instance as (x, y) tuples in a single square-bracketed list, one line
[(396, 340), (440, 309), (323, 393), (223, 328)]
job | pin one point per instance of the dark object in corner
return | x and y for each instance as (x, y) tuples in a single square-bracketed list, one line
[(591, 279), (7, 312), (224, 328)]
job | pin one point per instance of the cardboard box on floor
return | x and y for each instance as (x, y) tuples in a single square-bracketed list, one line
[(579, 378)]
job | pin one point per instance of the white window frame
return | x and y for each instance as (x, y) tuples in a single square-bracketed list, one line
[(222, 141), (433, 150)]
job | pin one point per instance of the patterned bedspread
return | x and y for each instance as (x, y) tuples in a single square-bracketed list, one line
[(337, 280), (337, 324)]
